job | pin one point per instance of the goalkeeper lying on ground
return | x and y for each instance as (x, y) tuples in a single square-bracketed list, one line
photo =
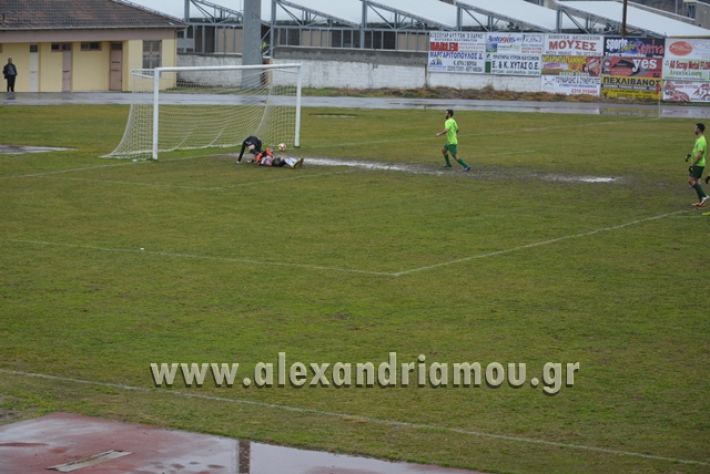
[(266, 157)]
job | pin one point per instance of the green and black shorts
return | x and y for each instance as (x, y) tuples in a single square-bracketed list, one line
[(696, 171), (453, 149)]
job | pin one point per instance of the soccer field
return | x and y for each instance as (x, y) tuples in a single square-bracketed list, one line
[(109, 266)]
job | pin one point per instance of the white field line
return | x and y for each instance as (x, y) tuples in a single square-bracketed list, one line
[(348, 417), (249, 261), (68, 170), (85, 168), (537, 244), (348, 270), (199, 188)]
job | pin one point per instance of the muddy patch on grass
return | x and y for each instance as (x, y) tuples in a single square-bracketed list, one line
[(483, 172), (25, 149)]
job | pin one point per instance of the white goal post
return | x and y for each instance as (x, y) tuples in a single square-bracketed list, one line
[(194, 107)]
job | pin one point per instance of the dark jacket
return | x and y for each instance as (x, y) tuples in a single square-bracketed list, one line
[(252, 140), (9, 70)]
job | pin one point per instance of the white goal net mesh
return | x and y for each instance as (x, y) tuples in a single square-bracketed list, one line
[(217, 106)]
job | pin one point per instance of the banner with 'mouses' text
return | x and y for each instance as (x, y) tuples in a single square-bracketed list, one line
[(571, 64)]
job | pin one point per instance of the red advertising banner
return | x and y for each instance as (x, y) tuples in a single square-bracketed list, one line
[(639, 66)]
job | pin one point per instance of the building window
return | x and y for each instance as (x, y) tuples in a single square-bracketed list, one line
[(34, 48), (56, 47), (151, 54), (91, 46)]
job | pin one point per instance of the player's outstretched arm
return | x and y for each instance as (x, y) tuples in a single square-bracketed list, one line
[(241, 153)]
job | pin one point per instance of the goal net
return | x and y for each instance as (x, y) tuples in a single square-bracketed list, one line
[(188, 108)]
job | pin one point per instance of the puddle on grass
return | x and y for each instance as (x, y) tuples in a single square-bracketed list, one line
[(428, 170), (22, 149), (57, 439)]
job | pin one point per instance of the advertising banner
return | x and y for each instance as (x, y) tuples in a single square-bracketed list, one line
[(678, 91), (571, 84), (687, 59), (556, 65), (513, 64), (629, 66), (514, 54), (457, 51), (631, 87), (636, 47), (574, 45), (571, 75)]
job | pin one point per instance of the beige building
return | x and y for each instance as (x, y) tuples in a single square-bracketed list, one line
[(83, 45)]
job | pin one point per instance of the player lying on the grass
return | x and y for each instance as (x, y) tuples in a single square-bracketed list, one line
[(451, 130), (698, 157), (266, 157)]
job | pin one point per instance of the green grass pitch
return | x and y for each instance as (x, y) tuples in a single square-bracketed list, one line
[(340, 264)]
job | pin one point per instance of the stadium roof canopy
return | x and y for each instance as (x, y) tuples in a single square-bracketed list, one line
[(638, 19), (432, 13), (519, 13), (395, 14)]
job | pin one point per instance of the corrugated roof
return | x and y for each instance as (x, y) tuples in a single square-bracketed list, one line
[(79, 14), (521, 12), (434, 10), (637, 18)]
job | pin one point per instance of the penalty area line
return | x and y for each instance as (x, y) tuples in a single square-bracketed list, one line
[(538, 244), (158, 253), (367, 419)]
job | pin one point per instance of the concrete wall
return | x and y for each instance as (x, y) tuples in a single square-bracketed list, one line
[(216, 78), (357, 75), (479, 81), (702, 14), (357, 69)]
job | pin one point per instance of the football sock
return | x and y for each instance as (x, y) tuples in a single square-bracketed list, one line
[(446, 158), (699, 190), (463, 163)]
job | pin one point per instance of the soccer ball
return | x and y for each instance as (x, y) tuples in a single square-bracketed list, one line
[(282, 147)]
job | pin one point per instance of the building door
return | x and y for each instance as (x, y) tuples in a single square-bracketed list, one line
[(116, 72), (66, 69), (34, 68)]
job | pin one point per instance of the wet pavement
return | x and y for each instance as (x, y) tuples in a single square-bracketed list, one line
[(638, 110), (65, 442)]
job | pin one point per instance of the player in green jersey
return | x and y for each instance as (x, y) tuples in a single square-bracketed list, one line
[(451, 130), (698, 158)]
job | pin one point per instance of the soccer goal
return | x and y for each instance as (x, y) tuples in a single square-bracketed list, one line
[(188, 108)]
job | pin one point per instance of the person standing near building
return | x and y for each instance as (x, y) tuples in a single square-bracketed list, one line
[(698, 158), (451, 130), (10, 73)]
